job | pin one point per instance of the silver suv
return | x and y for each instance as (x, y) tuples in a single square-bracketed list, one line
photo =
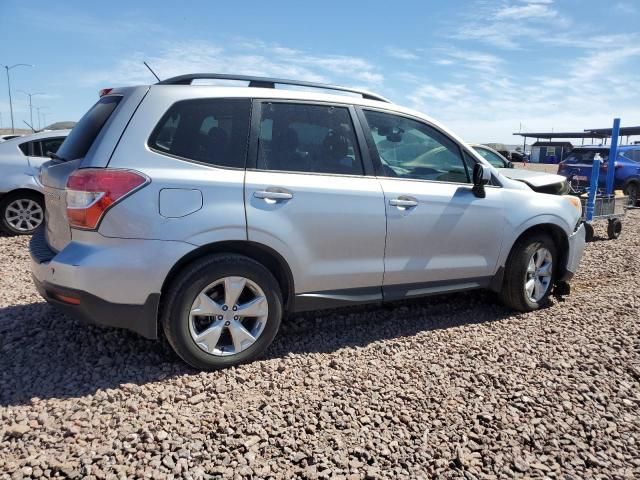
[(210, 212)]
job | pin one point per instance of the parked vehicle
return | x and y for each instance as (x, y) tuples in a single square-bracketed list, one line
[(578, 164), (211, 212), (492, 156), (540, 182), (21, 199), (518, 157), (9, 136)]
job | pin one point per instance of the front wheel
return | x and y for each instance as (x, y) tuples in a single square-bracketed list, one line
[(222, 310), (529, 273)]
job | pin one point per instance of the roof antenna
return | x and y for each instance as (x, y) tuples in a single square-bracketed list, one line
[(154, 73)]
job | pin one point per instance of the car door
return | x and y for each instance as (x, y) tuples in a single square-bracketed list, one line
[(309, 198), (440, 235)]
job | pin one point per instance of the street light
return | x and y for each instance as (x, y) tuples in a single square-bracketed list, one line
[(30, 106), (38, 110), (7, 68)]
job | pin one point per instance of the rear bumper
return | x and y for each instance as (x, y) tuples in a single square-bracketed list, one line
[(94, 310), (110, 281), (575, 252)]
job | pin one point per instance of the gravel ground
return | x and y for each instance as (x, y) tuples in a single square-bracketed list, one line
[(452, 387)]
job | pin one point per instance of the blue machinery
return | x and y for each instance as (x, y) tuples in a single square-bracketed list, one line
[(604, 206)]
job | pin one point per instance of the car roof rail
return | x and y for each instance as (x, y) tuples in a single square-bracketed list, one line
[(266, 82)]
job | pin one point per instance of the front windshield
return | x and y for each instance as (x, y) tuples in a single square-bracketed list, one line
[(494, 159)]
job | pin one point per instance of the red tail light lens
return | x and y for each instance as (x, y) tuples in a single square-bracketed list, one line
[(92, 191)]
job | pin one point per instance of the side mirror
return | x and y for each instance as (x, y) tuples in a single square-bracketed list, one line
[(481, 176), (509, 164)]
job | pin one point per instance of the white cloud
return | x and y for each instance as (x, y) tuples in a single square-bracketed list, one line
[(243, 57), (530, 10), (626, 8), (401, 53)]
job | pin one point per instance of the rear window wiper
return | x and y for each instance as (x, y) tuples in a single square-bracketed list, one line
[(55, 156)]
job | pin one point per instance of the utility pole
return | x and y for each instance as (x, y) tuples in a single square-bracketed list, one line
[(39, 121), (7, 68), (30, 105)]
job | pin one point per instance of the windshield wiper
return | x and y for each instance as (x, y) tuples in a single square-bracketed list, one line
[(55, 156)]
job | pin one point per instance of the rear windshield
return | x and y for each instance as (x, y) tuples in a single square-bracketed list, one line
[(585, 155), (87, 129)]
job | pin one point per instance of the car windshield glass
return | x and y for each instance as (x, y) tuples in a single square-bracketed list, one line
[(585, 155), (87, 129), (491, 157)]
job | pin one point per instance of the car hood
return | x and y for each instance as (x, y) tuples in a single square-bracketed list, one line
[(531, 177)]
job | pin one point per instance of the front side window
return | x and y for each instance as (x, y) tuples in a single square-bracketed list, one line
[(308, 138), (213, 131), (493, 158), (410, 149)]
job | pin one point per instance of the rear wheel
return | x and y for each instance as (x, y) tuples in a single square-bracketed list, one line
[(21, 213), (529, 273), (614, 228), (632, 190), (222, 310)]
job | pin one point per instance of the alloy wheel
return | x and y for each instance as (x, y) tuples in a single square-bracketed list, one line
[(24, 215), (539, 273), (228, 316)]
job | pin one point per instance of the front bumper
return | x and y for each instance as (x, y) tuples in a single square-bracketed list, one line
[(111, 282), (574, 253)]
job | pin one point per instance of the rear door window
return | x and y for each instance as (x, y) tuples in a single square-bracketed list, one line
[(87, 129), (212, 131), (308, 138)]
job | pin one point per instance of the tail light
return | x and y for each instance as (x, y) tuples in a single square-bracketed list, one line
[(93, 191)]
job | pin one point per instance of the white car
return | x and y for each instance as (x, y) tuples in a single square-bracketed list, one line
[(21, 198), (9, 136), (540, 182)]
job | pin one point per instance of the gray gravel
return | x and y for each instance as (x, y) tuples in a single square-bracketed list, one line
[(449, 386)]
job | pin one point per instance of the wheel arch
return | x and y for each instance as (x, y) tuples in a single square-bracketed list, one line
[(263, 254), (558, 236), (34, 191)]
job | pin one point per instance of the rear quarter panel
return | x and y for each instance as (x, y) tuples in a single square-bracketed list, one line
[(221, 216)]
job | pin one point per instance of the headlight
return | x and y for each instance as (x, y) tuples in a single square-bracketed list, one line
[(574, 202)]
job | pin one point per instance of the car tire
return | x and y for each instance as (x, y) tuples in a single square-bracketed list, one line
[(632, 190), (589, 233), (21, 213), (614, 228), (217, 277), (518, 274)]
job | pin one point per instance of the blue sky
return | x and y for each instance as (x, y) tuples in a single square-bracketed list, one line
[(482, 67)]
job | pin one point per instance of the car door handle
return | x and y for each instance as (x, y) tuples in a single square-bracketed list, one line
[(403, 203), (269, 195)]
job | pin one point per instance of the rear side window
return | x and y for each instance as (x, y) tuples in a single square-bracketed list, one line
[(24, 147), (213, 131), (308, 138), (87, 129), (633, 155)]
